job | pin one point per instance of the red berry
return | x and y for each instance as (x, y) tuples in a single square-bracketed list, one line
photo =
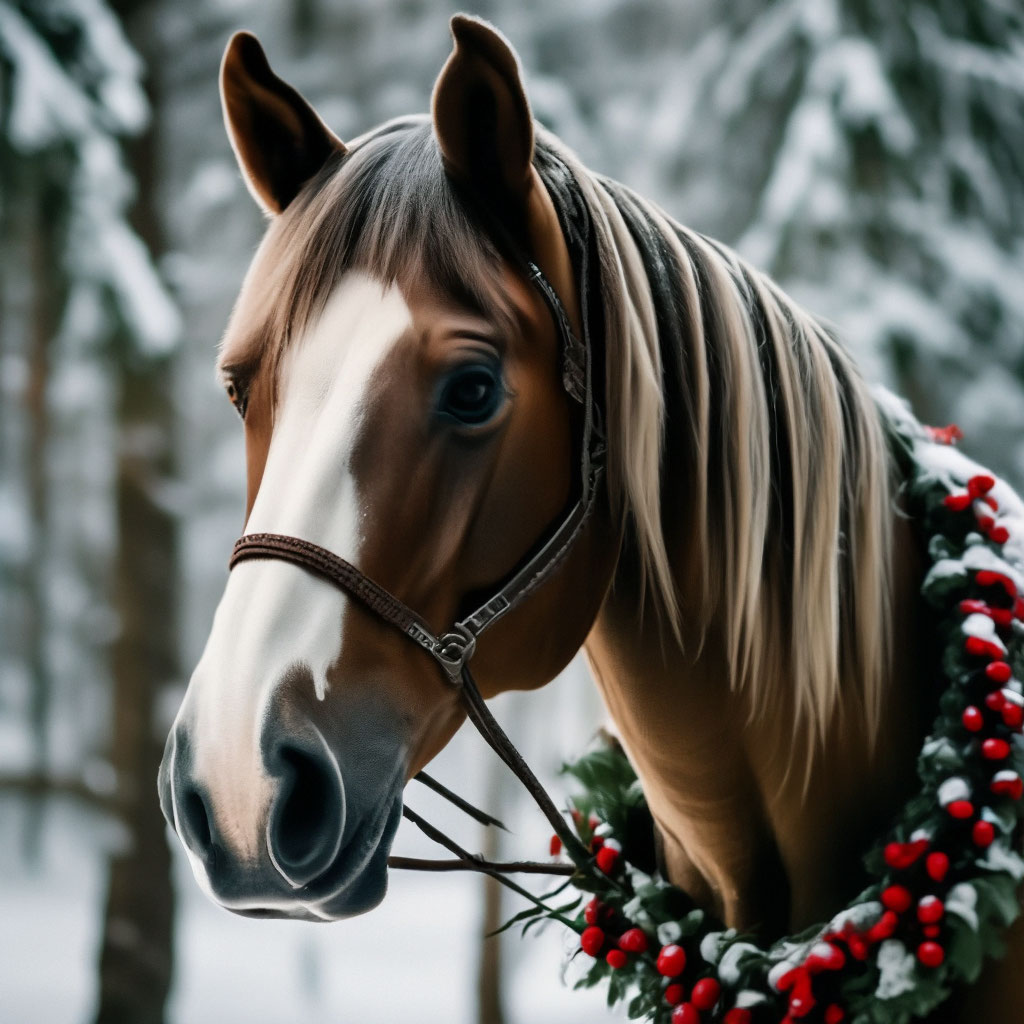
[(986, 522), (957, 502), (633, 941), (960, 809), (998, 672), (936, 864), (674, 994), (901, 855), (995, 701), (930, 909), (981, 648), (972, 606), (705, 993), (555, 846), (897, 898), (972, 718), (1008, 784), (990, 578), (833, 959), (671, 961), (931, 931), (592, 940), (737, 1015), (945, 435), (834, 1014), (607, 858), (801, 998), (1013, 715), (991, 502), (593, 911), (995, 750), (979, 484), (931, 954), (616, 959), (884, 928), (685, 1013), (983, 833), (999, 535), (1001, 616)]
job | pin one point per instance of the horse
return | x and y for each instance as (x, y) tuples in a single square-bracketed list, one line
[(744, 587)]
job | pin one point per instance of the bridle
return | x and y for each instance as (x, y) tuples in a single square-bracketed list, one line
[(454, 648)]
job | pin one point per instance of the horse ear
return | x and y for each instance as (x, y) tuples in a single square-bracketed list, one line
[(278, 138), (481, 115)]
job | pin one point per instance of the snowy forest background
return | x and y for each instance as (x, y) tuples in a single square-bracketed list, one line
[(868, 153)]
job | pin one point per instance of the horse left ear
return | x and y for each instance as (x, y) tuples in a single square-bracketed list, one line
[(277, 136), (482, 118)]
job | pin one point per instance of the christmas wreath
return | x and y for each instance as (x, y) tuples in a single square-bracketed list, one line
[(945, 878)]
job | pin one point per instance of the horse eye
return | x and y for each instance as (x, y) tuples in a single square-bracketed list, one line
[(472, 395), (236, 397)]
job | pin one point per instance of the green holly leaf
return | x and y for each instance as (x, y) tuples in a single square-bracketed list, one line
[(964, 951)]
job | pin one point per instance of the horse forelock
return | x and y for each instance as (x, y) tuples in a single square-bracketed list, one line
[(715, 375), (384, 207)]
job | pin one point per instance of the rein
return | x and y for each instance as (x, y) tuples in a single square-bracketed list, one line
[(454, 648)]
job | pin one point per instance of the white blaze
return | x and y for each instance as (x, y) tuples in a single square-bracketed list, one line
[(274, 615)]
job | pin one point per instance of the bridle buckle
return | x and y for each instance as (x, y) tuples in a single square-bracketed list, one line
[(453, 650)]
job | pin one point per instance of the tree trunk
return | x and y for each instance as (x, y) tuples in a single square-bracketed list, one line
[(136, 956), (43, 259), (490, 1005)]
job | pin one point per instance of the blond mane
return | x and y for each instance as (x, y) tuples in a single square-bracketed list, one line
[(790, 480)]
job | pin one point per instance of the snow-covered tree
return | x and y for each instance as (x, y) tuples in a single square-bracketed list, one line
[(870, 155), (80, 299)]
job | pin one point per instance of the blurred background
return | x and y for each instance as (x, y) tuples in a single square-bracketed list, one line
[(868, 153)]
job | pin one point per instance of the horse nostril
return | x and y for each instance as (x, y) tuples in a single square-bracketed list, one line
[(194, 823), (306, 821)]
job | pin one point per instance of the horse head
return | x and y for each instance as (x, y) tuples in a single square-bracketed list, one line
[(400, 384)]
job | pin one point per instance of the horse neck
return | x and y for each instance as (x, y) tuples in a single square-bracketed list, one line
[(758, 819), (746, 826)]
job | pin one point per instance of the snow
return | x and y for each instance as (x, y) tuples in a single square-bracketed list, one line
[(952, 789), (896, 969), (999, 858), (729, 964), (807, 150), (45, 104), (860, 915), (746, 57), (864, 94), (982, 627), (961, 900), (748, 998)]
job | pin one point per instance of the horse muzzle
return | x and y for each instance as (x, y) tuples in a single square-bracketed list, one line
[(308, 837)]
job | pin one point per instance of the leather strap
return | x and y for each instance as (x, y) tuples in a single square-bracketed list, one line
[(343, 574)]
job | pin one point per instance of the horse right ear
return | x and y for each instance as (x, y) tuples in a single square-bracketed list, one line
[(278, 138), (482, 118)]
